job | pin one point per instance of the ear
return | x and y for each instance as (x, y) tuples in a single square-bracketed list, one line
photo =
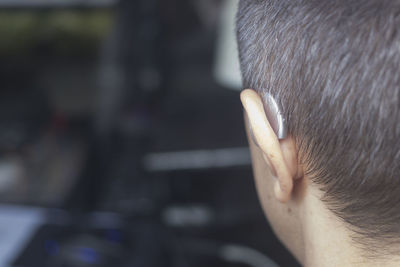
[(280, 155)]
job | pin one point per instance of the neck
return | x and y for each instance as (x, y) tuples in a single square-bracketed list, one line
[(327, 241)]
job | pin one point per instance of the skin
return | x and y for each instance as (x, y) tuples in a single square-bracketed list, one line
[(292, 203)]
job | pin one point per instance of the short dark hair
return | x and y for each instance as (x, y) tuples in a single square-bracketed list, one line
[(335, 67)]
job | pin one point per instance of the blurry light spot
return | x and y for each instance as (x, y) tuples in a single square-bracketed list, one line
[(51, 247), (88, 255), (198, 159), (187, 216)]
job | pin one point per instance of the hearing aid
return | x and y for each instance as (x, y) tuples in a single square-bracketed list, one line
[(275, 117)]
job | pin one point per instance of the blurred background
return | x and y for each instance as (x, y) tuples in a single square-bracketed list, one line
[(122, 139)]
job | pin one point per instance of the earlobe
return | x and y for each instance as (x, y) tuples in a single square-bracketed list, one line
[(279, 155)]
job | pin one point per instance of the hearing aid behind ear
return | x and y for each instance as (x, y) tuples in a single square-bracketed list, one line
[(274, 116)]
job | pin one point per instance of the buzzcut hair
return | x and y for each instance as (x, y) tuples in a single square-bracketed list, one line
[(334, 66)]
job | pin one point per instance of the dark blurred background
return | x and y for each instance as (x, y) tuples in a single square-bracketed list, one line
[(122, 139)]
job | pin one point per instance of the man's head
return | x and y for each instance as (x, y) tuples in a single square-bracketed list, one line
[(334, 68)]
